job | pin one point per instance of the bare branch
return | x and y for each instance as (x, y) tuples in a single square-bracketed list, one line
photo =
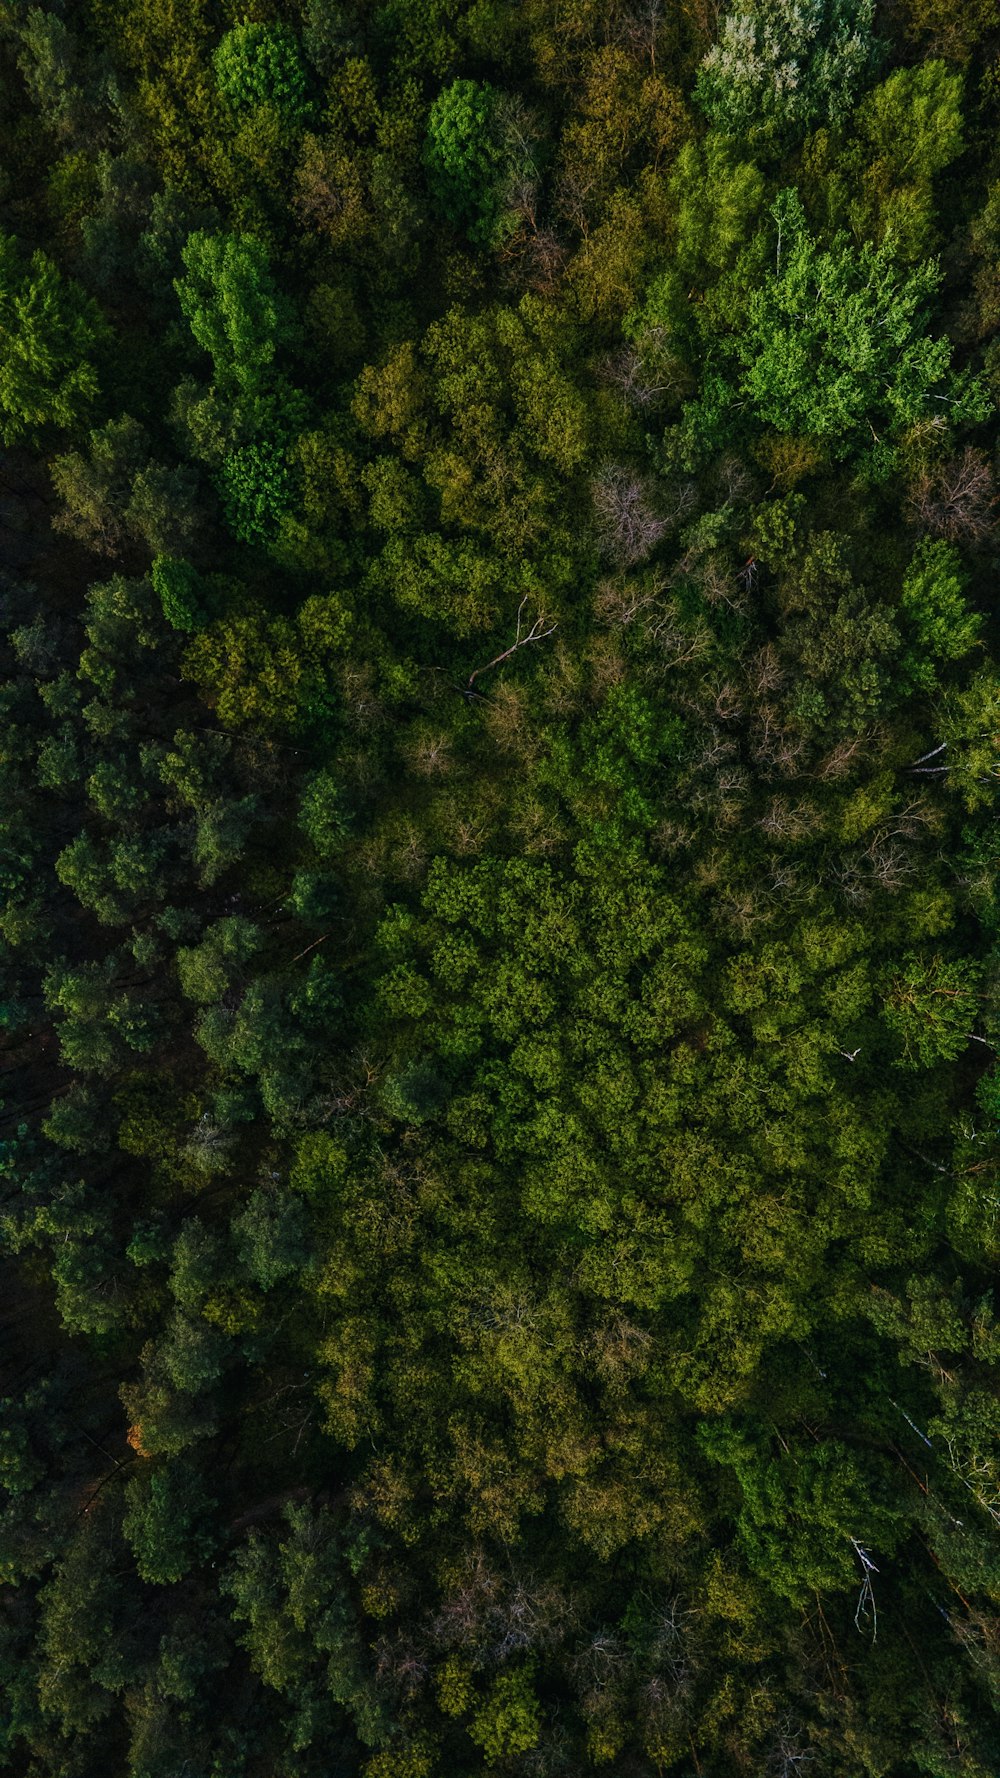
[(865, 1607), (956, 500), (629, 528), (537, 633)]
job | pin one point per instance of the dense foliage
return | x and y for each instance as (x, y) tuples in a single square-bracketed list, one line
[(499, 925)]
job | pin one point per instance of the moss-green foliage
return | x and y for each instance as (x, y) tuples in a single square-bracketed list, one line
[(50, 334), (254, 481), (933, 604), (499, 925), (909, 129), (161, 1522)]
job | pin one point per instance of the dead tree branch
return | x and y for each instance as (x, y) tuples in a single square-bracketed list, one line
[(537, 633)]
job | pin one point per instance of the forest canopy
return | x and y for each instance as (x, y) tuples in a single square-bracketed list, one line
[(499, 914)]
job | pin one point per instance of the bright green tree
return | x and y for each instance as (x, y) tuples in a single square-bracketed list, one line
[(935, 608), (836, 344), (178, 588), (261, 64), (233, 306), (468, 160)]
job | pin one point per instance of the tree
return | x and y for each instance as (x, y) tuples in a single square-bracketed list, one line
[(233, 306), (65, 73), (804, 1514), (180, 591), (782, 66), (971, 727), (271, 1238), (933, 603), (719, 198), (166, 1508), (330, 34), (82, 1667), (631, 528), (271, 673), (322, 816), (260, 64), (115, 494), (956, 499), (51, 336), (910, 130), (475, 160), (294, 1598), (255, 482), (208, 969), (96, 1019), (929, 1006), (835, 344), (943, 31), (508, 1722)]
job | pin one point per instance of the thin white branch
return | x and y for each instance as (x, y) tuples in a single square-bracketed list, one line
[(537, 633)]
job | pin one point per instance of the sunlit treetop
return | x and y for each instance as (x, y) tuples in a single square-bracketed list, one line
[(260, 64), (837, 341)]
